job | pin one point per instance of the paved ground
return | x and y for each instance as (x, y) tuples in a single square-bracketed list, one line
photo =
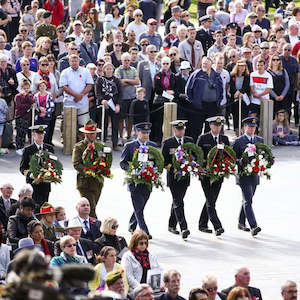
[(273, 256)]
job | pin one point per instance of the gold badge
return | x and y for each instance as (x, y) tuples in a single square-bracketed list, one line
[(146, 127), (180, 124), (254, 121)]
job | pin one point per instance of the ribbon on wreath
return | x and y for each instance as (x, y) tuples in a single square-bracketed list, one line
[(216, 153)]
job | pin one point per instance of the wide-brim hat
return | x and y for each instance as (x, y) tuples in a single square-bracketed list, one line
[(74, 223), (90, 127), (46, 209), (25, 243)]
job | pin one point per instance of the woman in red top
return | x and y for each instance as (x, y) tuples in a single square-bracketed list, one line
[(57, 10)]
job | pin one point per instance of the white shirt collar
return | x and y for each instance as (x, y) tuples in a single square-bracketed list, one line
[(38, 146)]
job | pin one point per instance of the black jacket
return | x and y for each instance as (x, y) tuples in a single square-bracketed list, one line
[(254, 292), (158, 88), (8, 90), (118, 242), (90, 249), (206, 39), (17, 227), (245, 87), (3, 214)]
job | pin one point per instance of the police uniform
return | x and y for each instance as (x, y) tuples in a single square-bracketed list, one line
[(178, 188), (247, 184), (211, 190), (140, 193), (88, 187), (40, 191), (205, 36)]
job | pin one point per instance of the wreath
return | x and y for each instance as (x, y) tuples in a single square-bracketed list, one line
[(45, 167), (187, 160), (257, 159), (221, 162), (146, 167), (97, 161)]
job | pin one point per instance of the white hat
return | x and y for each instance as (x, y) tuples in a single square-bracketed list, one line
[(91, 66), (74, 223), (185, 65), (256, 28), (77, 22), (137, 12)]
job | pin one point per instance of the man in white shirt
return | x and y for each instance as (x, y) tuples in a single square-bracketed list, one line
[(293, 36), (137, 25), (261, 83), (77, 33), (76, 82)]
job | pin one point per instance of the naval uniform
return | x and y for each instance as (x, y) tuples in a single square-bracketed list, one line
[(206, 39), (140, 193), (247, 184), (40, 191), (178, 188), (211, 190)]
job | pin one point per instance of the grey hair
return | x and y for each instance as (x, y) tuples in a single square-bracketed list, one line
[(139, 289), (25, 189), (208, 279), (2, 186), (287, 284)]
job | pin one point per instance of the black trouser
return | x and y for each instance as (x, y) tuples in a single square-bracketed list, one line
[(178, 191), (157, 120), (211, 192), (235, 113), (40, 194)]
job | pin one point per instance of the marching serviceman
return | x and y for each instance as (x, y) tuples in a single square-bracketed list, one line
[(88, 187), (247, 183), (140, 193), (211, 190), (40, 191), (178, 188)]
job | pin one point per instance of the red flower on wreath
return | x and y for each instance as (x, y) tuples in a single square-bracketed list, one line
[(255, 169)]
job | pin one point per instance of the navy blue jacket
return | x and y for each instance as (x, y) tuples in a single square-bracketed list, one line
[(87, 56), (128, 152), (196, 85)]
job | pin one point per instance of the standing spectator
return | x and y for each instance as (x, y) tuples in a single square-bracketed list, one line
[(204, 35), (16, 52), (9, 84), (239, 15), (77, 33), (57, 10), (248, 40), (72, 48), (149, 9), (43, 47), (291, 65), (86, 6), (137, 261), (257, 30), (24, 30), (281, 83), (108, 93), (218, 46), (238, 293), (97, 26), (13, 10), (293, 35), (242, 279), (210, 284), (127, 17), (77, 82), (4, 255), (164, 83), (58, 45), (176, 17), (215, 23), (191, 49), (133, 51), (129, 79), (91, 95), (171, 39), (221, 15), (175, 59), (28, 17), (3, 119), (139, 108), (143, 53), (6, 203), (137, 25), (151, 35), (262, 21), (117, 17), (172, 279), (88, 49), (116, 54), (168, 12), (205, 91), (289, 290), (264, 46), (198, 294), (261, 83), (181, 33), (131, 39), (5, 18), (27, 50), (46, 28), (23, 102), (117, 36), (251, 19), (4, 51), (202, 5)]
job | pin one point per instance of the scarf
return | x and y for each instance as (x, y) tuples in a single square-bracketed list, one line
[(142, 258), (165, 80), (45, 246), (45, 76)]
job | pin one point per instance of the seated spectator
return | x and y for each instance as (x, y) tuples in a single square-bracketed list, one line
[(281, 130), (137, 261), (68, 253), (36, 232), (6, 202), (84, 247), (171, 280), (25, 191), (47, 214), (4, 255), (199, 294), (115, 283), (239, 293), (106, 263), (242, 279), (90, 226), (289, 290), (17, 224), (143, 291), (210, 284), (60, 221), (109, 229)]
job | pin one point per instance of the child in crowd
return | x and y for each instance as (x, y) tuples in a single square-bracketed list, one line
[(28, 17), (45, 104), (139, 108), (281, 130), (23, 102), (60, 221), (3, 118)]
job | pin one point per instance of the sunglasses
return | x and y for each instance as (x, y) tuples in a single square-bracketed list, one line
[(61, 31), (172, 54), (100, 65), (25, 65), (143, 243), (153, 51), (212, 289), (276, 59), (118, 45), (265, 48), (185, 16), (115, 226), (256, 31), (19, 40), (165, 63), (35, 7), (23, 30), (173, 27), (71, 245), (138, 15), (45, 65), (143, 45), (232, 56), (288, 50), (74, 49)]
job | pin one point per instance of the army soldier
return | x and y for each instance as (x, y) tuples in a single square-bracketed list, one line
[(46, 28), (178, 188), (247, 184), (139, 193), (211, 190), (204, 35), (40, 191), (88, 187)]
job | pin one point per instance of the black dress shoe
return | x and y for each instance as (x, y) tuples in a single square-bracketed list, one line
[(149, 237), (206, 230), (243, 227), (185, 233), (173, 230), (219, 231), (255, 230)]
